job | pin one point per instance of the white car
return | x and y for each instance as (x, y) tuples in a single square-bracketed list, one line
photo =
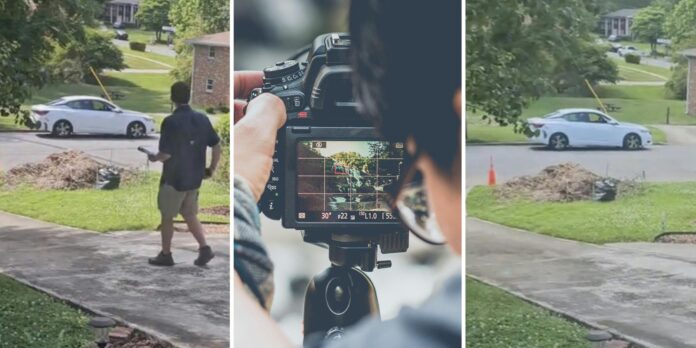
[(83, 114), (629, 50), (587, 128)]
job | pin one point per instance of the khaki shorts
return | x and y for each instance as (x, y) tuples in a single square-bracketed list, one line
[(172, 202)]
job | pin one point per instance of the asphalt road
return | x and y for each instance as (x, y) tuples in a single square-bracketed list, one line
[(18, 148), (660, 163)]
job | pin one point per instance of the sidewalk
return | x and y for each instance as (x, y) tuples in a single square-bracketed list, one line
[(108, 273), (647, 293)]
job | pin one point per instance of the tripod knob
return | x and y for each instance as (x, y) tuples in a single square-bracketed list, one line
[(338, 296), (334, 334)]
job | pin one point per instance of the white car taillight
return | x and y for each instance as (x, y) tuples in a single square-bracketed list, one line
[(40, 113)]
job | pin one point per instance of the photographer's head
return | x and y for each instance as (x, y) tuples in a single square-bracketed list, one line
[(407, 61), (180, 93)]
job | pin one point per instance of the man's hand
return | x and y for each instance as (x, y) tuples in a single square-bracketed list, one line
[(255, 132), (244, 83)]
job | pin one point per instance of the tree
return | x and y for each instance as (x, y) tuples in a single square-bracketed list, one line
[(514, 51), (73, 62), (679, 25), (193, 18), (587, 62), (648, 25), (30, 29), (153, 15)]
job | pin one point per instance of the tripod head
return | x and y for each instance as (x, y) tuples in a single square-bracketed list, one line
[(343, 294)]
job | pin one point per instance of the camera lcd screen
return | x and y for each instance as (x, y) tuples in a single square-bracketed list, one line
[(347, 181)]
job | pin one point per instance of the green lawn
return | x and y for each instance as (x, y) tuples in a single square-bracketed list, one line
[(140, 35), (630, 69), (635, 217), (148, 93), (29, 318), (645, 105), (132, 207), (495, 318), (8, 123), (134, 59)]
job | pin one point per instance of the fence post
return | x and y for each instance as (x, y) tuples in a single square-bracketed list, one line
[(668, 115)]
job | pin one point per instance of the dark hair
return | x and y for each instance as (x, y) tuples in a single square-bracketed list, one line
[(181, 92), (407, 61)]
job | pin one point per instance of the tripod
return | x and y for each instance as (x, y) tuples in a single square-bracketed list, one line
[(343, 294)]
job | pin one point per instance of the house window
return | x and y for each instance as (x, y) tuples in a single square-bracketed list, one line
[(211, 52), (209, 86)]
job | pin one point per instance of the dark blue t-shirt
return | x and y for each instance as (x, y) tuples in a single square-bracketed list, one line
[(185, 135)]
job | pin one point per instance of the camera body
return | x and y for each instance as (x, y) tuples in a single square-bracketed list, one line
[(331, 170)]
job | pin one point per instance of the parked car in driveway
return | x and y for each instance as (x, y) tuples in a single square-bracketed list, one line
[(84, 114), (566, 128), (121, 34), (629, 50)]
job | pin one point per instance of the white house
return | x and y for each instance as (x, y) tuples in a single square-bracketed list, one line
[(121, 11)]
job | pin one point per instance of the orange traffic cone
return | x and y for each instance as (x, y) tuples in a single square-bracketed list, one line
[(491, 174)]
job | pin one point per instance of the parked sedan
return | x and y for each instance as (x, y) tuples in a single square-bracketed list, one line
[(587, 128), (121, 35), (83, 114)]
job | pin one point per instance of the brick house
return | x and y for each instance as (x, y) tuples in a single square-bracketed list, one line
[(210, 81), (121, 11), (690, 54)]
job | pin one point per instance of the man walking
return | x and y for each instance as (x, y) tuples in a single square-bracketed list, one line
[(185, 136)]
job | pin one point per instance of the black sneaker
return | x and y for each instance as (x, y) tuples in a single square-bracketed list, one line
[(205, 254), (162, 259)]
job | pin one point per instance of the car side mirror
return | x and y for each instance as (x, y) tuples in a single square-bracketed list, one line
[(613, 123), (118, 111)]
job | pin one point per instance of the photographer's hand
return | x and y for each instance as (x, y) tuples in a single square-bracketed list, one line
[(255, 132)]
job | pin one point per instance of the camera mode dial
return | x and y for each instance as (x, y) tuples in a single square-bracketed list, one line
[(283, 72)]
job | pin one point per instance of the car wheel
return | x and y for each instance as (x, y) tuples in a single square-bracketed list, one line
[(62, 129), (558, 142), (632, 142), (136, 130)]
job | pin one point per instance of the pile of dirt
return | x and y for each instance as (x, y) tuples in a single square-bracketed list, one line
[(68, 170), (677, 238), (565, 182), (220, 210)]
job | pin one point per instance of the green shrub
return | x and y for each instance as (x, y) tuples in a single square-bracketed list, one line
[(632, 58), (224, 109), (138, 46), (210, 110), (223, 129)]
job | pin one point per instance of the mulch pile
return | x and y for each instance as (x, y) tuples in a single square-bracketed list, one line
[(68, 170), (677, 238), (124, 337), (566, 182), (219, 210)]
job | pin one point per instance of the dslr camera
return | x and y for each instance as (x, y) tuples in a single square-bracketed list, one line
[(331, 170)]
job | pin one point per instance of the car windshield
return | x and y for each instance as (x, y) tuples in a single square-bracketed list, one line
[(56, 102)]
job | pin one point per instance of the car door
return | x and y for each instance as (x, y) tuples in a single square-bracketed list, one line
[(574, 128), (599, 130), (81, 116), (105, 118)]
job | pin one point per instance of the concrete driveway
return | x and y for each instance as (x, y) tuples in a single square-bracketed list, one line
[(660, 163), (18, 148), (644, 292), (108, 273)]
